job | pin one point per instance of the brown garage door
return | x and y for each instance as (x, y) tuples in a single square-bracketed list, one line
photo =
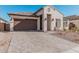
[(23, 25)]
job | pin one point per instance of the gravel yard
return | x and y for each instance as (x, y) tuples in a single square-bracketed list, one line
[(71, 36)]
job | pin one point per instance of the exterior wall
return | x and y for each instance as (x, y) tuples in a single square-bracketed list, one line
[(1, 26), (38, 23), (54, 15), (58, 15), (41, 12), (76, 22), (12, 25), (7, 27), (67, 25)]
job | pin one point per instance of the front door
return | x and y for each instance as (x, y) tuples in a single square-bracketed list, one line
[(48, 22)]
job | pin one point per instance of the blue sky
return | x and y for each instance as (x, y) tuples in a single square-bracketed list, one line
[(65, 9)]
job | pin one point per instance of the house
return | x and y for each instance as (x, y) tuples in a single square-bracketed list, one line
[(73, 21), (2, 24), (47, 18)]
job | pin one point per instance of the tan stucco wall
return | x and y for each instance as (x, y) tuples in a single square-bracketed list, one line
[(66, 27), (1, 26), (55, 15), (12, 25)]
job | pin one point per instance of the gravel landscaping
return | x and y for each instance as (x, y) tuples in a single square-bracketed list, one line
[(71, 36)]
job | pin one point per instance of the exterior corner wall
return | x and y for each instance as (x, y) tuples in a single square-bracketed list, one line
[(12, 25), (1, 26), (58, 15), (54, 15), (61, 28), (38, 23), (53, 23), (44, 23), (67, 28)]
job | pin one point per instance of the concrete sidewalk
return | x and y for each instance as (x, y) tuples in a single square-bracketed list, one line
[(40, 42)]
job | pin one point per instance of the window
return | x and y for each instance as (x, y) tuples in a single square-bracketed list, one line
[(58, 23), (48, 9), (65, 23)]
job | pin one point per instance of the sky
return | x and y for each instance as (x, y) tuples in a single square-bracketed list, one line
[(67, 10)]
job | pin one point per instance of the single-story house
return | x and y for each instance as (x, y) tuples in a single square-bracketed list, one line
[(47, 18), (4, 25)]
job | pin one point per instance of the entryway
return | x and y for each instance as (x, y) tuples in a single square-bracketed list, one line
[(40, 22), (48, 22)]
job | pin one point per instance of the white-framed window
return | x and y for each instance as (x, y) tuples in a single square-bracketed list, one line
[(65, 23), (48, 9), (58, 23)]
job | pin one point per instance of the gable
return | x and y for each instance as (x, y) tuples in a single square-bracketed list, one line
[(52, 10), (45, 9), (39, 12), (2, 20)]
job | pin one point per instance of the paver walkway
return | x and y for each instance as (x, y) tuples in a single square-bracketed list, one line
[(40, 42)]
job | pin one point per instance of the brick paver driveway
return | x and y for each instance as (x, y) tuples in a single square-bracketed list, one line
[(40, 42)]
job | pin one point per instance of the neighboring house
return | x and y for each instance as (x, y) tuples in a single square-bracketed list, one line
[(74, 20), (2, 24), (47, 18)]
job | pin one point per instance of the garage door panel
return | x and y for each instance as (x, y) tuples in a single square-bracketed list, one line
[(22, 25)]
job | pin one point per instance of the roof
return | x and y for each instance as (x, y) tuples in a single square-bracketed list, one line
[(72, 17), (22, 14), (58, 11), (30, 13), (3, 19), (49, 6), (38, 10)]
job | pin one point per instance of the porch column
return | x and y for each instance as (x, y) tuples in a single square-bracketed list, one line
[(68, 24), (12, 25), (38, 23), (61, 28), (44, 23), (54, 24)]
